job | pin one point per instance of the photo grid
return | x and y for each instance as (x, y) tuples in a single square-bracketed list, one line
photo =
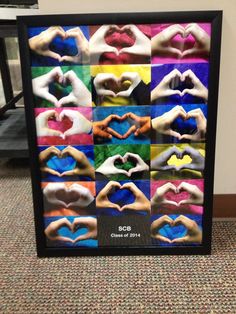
[(121, 120)]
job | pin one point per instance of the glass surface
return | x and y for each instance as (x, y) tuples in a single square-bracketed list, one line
[(121, 117)]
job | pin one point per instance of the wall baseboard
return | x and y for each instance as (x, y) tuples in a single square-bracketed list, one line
[(224, 205)]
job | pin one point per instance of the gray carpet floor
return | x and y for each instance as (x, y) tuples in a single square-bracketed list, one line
[(119, 285)]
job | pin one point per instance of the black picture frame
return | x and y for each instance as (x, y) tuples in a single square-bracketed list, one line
[(213, 17)]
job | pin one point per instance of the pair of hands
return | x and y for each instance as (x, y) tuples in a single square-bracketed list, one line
[(80, 124), (162, 42), (40, 44), (82, 197), (90, 223), (107, 84), (141, 203), (163, 123), (79, 96), (193, 233), (83, 166), (195, 195), (108, 167), (140, 126), (160, 163), (165, 87), (97, 45)]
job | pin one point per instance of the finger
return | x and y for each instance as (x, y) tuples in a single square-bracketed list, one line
[(54, 132), (56, 31), (121, 171), (70, 132), (111, 117), (173, 30), (125, 93), (167, 202), (129, 132), (51, 54), (183, 220), (169, 187), (168, 167), (67, 59), (172, 75), (103, 133), (171, 151), (171, 92), (190, 52), (56, 74), (85, 236), (63, 239), (52, 99), (144, 129), (191, 75), (187, 137), (114, 133), (49, 114), (194, 30), (183, 202), (177, 111), (127, 207), (108, 48), (178, 53), (51, 171), (70, 173), (111, 185), (134, 156), (132, 187), (66, 100), (106, 92), (127, 50), (54, 150), (133, 116), (196, 113), (161, 238), (170, 132), (181, 240)]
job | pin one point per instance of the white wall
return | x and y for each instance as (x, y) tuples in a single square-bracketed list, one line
[(225, 172)]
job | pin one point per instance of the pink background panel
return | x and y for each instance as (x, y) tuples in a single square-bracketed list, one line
[(65, 124), (178, 41), (183, 209)]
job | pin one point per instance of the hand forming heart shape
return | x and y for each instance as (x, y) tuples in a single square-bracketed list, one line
[(195, 195), (141, 203), (74, 195), (80, 124), (82, 164), (140, 126), (40, 44), (79, 96), (108, 167), (161, 162), (162, 43), (107, 84), (193, 232), (162, 124), (166, 86), (89, 222)]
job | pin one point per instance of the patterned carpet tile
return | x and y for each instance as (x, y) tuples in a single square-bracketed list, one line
[(113, 284)]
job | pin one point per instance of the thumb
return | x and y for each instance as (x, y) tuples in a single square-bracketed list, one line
[(67, 59), (53, 132), (52, 54), (71, 131), (173, 133), (66, 100), (51, 98)]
